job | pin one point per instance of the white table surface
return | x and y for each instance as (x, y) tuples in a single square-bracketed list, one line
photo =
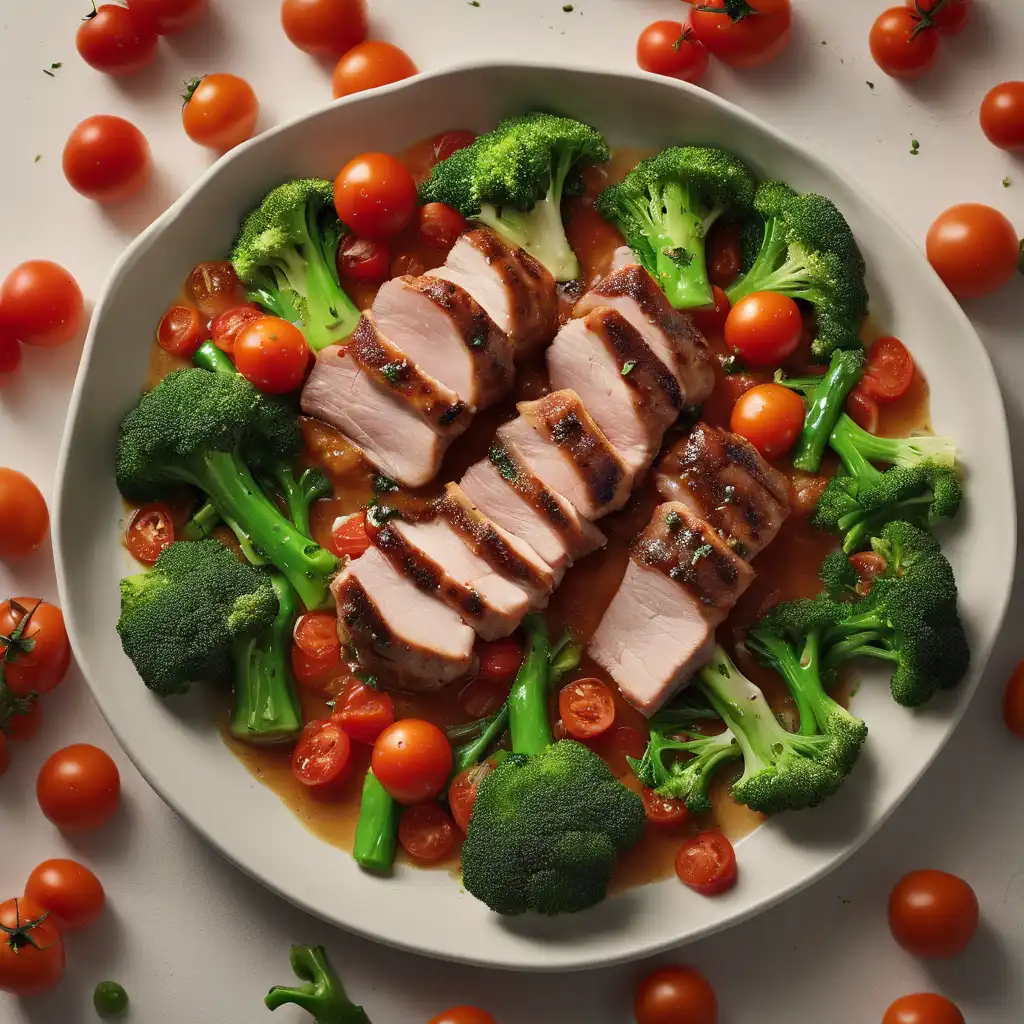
[(194, 940)]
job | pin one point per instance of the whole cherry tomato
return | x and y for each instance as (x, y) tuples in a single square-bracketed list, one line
[(671, 48), (1002, 116), (440, 225), (168, 17), (324, 28), (41, 304), (675, 995), (764, 329), (79, 788), (370, 65), (901, 45), (106, 158), (31, 949), (923, 1008), (412, 759), (933, 914), (220, 111), (770, 417), (116, 40), (375, 195), (69, 890), (499, 659), (743, 33), (974, 249), (950, 18), (24, 518), (34, 647), (272, 355), (711, 322), (215, 288)]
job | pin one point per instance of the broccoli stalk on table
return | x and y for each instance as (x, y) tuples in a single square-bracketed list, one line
[(513, 180), (664, 208), (323, 996)]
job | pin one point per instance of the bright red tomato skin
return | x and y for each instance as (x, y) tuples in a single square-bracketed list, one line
[(363, 712), (446, 143), (24, 518), (974, 249), (711, 322), (370, 65), (412, 760), (375, 195), (42, 304), (180, 331), (499, 659), (923, 1008), (43, 668), (116, 41), (349, 537), (463, 1015), (26, 969), (10, 352), (675, 995), (770, 417), (364, 259), (220, 111), (707, 864), (463, 791), (764, 329), (169, 17), (322, 759), (227, 326), (79, 788), (69, 890), (898, 48), (748, 42), (663, 811), (440, 225), (150, 531), (106, 159), (933, 914), (25, 724), (587, 708), (889, 371), (215, 288), (272, 355), (951, 19), (1002, 116), (672, 49), (316, 649), (863, 409), (325, 28), (427, 832)]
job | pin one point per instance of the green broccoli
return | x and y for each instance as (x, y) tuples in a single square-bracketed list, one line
[(825, 408), (838, 575), (207, 430), (323, 996), (550, 820), (807, 251), (376, 838), (513, 180), (664, 208), (286, 254)]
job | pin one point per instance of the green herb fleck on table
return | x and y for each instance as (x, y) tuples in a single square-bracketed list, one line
[(627, 367), (110, 1000), (1007, 181), (871, 85), (568, 8), (474, 3), (915, 147), (37, 158)]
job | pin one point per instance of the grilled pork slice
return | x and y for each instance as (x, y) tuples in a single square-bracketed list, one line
[(558, 439), (437, 560), (681, 581), (669, 333), (442, 329), (625, 386), (517, 291), (722, 478), (395, 625)]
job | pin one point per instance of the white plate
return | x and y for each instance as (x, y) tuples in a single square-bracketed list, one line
[(182, 755)]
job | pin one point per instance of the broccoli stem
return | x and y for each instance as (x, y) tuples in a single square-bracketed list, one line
[(826, 408), (276, 302), (470, 753), (528, 700), (762, 276), (202, 524), (680, 260), (848, 437), (209, 357), (323, 996), (377, 827)]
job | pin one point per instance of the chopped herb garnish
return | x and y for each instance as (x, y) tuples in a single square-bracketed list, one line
[(1007, 182), (394, 372), (729, 494), (702, 552), (383, 484), (478, 341), (452, 413), (56, 65), (627, 367), (730, 365), (474, 3), (871, 85), (38, 157), (678, 255), (502, 462), (673, 521), (915, 147), (566, 428), (378, 515), (567, 8), (368, 678), (47, 71)]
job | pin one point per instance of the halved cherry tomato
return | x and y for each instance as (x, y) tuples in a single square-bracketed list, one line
[(671, 48), (499, 659), (324, 28), (220, 111), (412, 759), (707, 864), (179, 332), (38, 660), (1013, 702), (316, 648), (618, 743), (364, 259), (869, 565), (725, 260), (349, 537), (950, 19), (743, 33), (463, 1015), (770, 417), (215, 287), (150, 530), (24, 518), (226, 327), (370, 65), (923, 1008), (862, 409), (169, 17), (806, 490), (711, 322), (463, 790), (933, 914), (322, 759), (69, 890), (889, 371), (42, 304), (31, 949), (116, 40), (272, 355), (1002, 116), (974, 249), (24, 723), (764, 329), (664, 811), (901, 46), (79, 788), (675, 995), (106, 159), (427, 832), (375, 195), (587, 708), (440, 224), (447, 143), (363, 712)]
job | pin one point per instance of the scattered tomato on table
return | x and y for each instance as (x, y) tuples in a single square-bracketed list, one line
[(933, 914), (169, 17), (325, 28), (923, 1008), (370, 65), (69, 890), (974, 249), (31, 948), (116, 40), (41, 304), (24, 518), (79, 788), (219, 111), (1002, 116), (106, 159), (742, 33), (671, 48), (675, 995), (34, 646)]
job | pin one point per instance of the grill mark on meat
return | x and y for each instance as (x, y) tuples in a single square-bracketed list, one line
[(524, 483), (361, 618), (648, 374)]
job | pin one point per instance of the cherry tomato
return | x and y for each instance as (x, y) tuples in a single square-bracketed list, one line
[(923, 1008), (25, 722), (363, 712), (324, 28), (69, 890), (427, 832), (316, 650), (364, 259), (5, 753), (446, 143), (322, 759), (673, 49), (618, 743), (764, 329), (42, 304), (106, 158), (369, 66), (116, 41), (1002, 116), (743, 33), (900, 45), (349, 538), (711, 322), (499, 659), (974, 249), (79, 788), (169, 17), (150, 530), (951, 17), (179, 332), (770, 417), (806, 490), (226, 327), (31, 949), (215, 287), (440, 224), (463, 1015), (664, 811), (862, 409), (1013, 702), (725, 259), (587, 708), (889, 371), (43, 667), (707, 864), (10, 350), (413, 760), (933, 914), (675, 995), (868, 565), (463, 790), (375, 195), (272, 355), (24, 519), (220, 111)]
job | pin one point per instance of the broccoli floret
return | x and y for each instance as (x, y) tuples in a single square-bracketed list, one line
[(838, 575), (180, 619), (550, 820), (808, 252), (826, 406), (323, 996), (664, 208), (207, 430), (286, 254), (513, 180)]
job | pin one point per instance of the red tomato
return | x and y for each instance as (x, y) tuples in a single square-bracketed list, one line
[(707, 864), (675, 995), (42, 304), (862, 409), (363, 712), (933, 914), (31, 949), (116, 41), (43, 667), (316, 650), (364, 259), (106, 158), (463, 790), (375, 195), (226, 327), (618, 743), (664, 811), (869, 565), (272, 355), (764, 329), (671, 48), (215, 287), (150, 530), (349, 538), (79, 788), (950, 18), (427, 832), (1013, 702), (369, 66), (169, 17), (220, 111), (499, 659), (407, 263), (587, 708), (10, 350), (69, 890), (1002, 116), (324, 28), (711, 322), (322, 759), (725, 260), (743, 33), (179, 332), (923, 1008), (974, 249), (24, 518), (446, 143), (25, 722), (889, 371), (806, 490), (901, 45), (463, 1015), (412, 759), (5, 753), (770, 417), (440, 224)]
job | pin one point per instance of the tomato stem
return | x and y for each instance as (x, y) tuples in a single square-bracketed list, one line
[(190, 89), (686, 34), (736, 10), (926, 19), (15, 644), (21, 934)]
